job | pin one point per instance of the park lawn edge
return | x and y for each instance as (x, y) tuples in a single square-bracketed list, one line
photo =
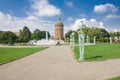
[(75, 55), (114, 78), (21, 56)]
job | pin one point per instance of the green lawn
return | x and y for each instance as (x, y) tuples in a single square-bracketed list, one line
[(116, 78), (98, 52), (11, 54)]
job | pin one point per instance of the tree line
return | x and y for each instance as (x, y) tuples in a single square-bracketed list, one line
[(25, 35), (101, 34)]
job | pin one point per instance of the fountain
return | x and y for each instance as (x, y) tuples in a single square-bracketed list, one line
[(45, 41)]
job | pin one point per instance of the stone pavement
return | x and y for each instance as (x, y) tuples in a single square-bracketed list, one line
[(58, 63)]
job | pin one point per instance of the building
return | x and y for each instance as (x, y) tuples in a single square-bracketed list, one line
[(59, 30), (17, 33)]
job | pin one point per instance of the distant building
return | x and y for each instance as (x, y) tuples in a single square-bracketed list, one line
[(116, 39), (17, 33), (59, 30)]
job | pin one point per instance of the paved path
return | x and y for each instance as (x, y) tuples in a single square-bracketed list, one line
[(58, 63)]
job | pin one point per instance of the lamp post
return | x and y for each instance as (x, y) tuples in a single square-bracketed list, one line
[(81, 42)]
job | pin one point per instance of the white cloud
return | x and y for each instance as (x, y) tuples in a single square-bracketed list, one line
[(116, 30), (40, 8), (112, 16), (82, 15), (101, 25), (103, 8), (70, 19), (69, 4), (88, 23), (43, 8), (92, 20), (4, 17), (12, 23)]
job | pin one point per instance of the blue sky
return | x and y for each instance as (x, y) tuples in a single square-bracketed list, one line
[(42, 14)]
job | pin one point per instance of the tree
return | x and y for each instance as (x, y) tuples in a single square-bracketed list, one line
[(7, 37), (101, 34), (37, 34), (25, 34), (1, 32), (118, 34), (67, 35)]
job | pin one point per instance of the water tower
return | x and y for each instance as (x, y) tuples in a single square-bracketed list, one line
[(59, 30)]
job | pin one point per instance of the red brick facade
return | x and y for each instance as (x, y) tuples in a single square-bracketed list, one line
[(59, 30)]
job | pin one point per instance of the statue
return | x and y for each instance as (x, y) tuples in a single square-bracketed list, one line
[(81, 42)]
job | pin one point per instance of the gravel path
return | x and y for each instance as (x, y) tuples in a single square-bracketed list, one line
[(58, 63)]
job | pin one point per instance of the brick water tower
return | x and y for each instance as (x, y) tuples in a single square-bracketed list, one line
[(59, 30)]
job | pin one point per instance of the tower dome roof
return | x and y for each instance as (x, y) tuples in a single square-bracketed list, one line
[(59, 22)]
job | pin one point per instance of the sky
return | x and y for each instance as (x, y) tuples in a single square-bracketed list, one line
[(43, 14)]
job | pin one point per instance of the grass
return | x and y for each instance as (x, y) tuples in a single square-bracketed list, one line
[(116, 78), (98, 52), (11, 54)]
